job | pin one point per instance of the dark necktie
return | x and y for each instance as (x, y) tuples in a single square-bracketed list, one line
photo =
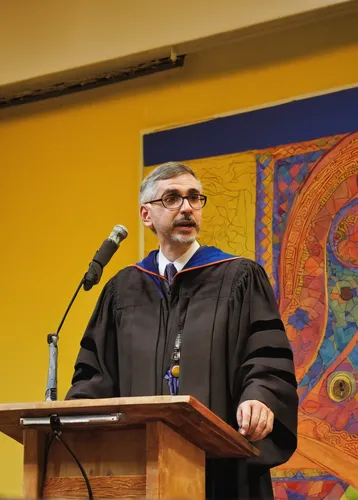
[(170, 272)]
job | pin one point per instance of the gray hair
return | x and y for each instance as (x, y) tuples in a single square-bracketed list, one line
[(168, 170)]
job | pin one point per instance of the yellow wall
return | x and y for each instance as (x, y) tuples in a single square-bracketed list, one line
[(71, 169)]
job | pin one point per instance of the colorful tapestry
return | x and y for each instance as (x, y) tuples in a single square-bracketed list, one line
[(282, 186)]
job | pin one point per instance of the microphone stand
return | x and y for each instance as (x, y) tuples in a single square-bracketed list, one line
[(91, 278), (52, 340)]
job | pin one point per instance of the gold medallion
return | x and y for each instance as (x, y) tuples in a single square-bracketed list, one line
[(175, 370)]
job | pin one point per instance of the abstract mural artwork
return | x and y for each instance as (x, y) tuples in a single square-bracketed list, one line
[(282, 186), (313, 255)]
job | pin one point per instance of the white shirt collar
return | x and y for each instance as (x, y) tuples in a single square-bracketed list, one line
[(180, 262)]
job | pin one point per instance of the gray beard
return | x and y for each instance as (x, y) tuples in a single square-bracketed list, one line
[(183, 239), (179, 238)]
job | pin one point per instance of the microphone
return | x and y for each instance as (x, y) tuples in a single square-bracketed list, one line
[(103, 256)]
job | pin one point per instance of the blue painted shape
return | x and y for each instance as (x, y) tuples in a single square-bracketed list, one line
[(296, 121)]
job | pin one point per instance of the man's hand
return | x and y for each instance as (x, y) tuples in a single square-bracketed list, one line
[(255, 420)]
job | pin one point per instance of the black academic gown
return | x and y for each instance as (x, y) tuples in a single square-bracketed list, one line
[(234, 348)]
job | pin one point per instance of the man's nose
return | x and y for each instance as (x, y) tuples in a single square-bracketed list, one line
[(186, 207)]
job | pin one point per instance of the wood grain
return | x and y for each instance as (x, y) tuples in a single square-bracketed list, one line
[(110, 452), (34, 443), (102, 487), (184, 413), (175, 467)]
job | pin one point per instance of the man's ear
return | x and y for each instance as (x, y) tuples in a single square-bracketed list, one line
[(145, 216)]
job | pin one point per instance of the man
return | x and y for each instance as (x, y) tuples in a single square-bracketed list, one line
[(191, 319)]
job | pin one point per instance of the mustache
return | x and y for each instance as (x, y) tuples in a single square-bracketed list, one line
[(185, 221)]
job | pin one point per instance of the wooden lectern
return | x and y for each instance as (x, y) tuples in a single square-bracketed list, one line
[(140, 447)]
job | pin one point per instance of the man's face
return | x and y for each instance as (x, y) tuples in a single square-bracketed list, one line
[(181, 225)]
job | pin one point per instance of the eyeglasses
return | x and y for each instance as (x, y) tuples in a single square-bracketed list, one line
[(175, 201)]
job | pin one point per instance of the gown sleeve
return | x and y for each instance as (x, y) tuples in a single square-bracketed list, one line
[(262, 366), (96, 367)]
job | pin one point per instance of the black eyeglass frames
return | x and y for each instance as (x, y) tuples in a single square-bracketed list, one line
[(175, 201)]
